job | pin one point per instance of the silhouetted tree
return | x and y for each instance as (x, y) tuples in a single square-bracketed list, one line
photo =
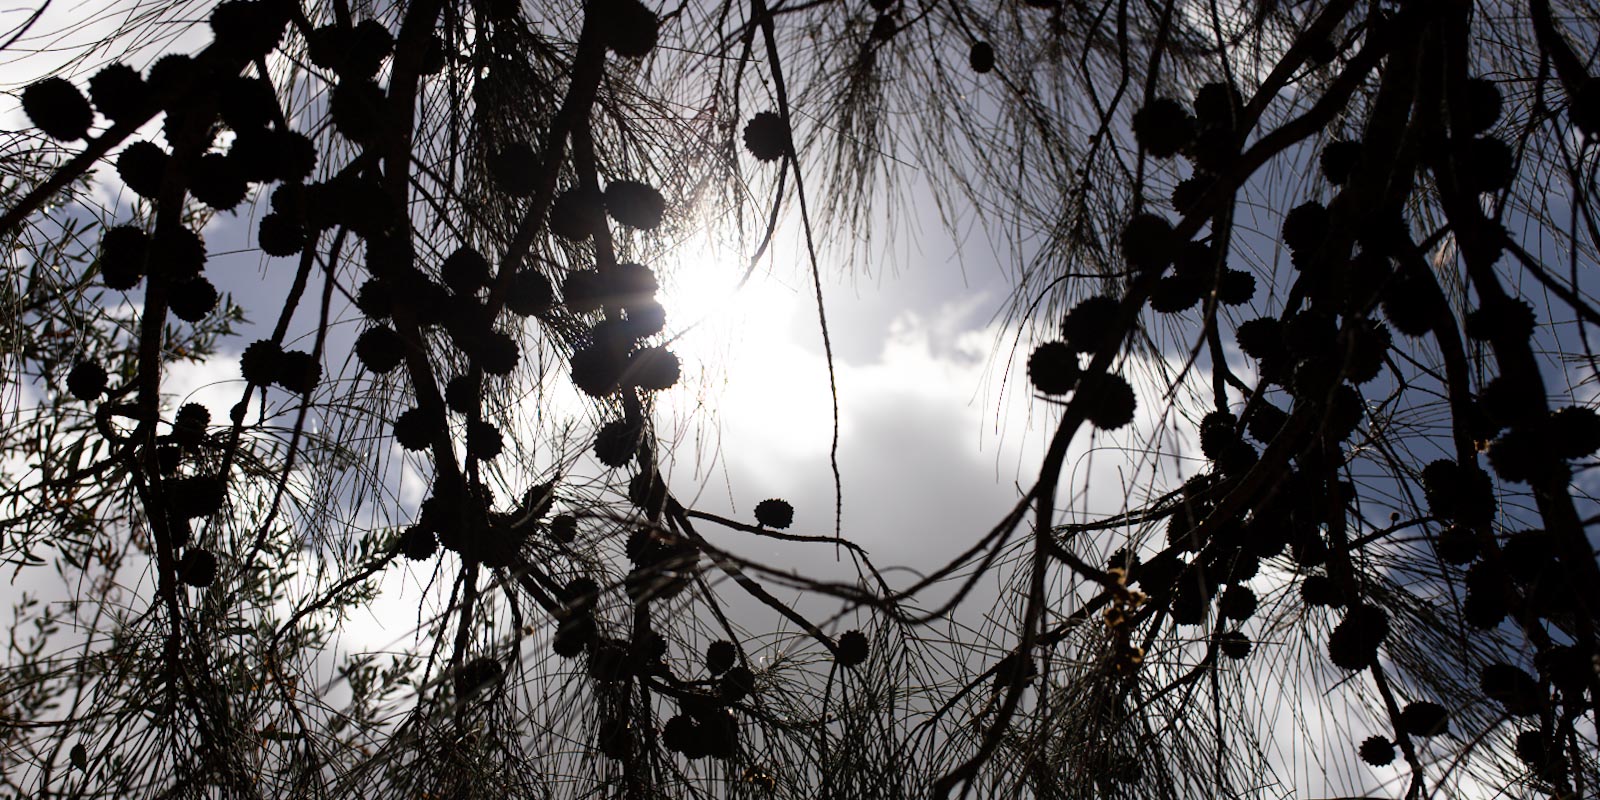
[(1346, 248)]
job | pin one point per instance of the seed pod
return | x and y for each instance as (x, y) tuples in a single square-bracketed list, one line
[(123, 251), (57, 108), (1423, 718), (192, 299), (1053, 368), (852, 649), (218, 182), (120, 94), (774, 513), (1149, 243), (141, 166), (653, 369), (380, 349), (1109, 402), (635, 204), (197, 568), (1377, 751), (87, 381), (515, 169), (981, 57), (1088, 325), (767, 137), (1355, 640), (1163, 127), (632, 29)]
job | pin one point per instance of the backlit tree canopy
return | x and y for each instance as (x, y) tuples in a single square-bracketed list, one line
[(1315, 277)]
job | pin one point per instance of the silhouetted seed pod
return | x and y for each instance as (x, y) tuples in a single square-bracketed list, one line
[(774, 513), (1237, 603), (189, 424), (645, 319), (298, 372), (120, 94), (1488, 595), (57, 108), (1533, 749), (596, 369), (720, 656), (1486, 164), (1261, 338), (883, 28), (1186, 195), (1408, 303), (251, 28), (632, 28), (1584, 108), (1217, 432), (531, 294), (177, 253), (1149, 243), (648, 492), (681, 734), (1364, 357), (653, 369), (1377, 751), (1304, 229), (1320, 590), (981, 57), (168, 458), (1482, 105), (635, 204), (1505, 319), (462, 394), (369, 44), (1216, 105), (1234, 645), (737, 684), (329, 46), (583, 291), (615, 443), (1235, 287), (564, 529), (418, 543), (1053, 368), (380, 349), (1520, 456), (195, 497), (1174, 293), (1339, 161), (141, 166), (279, 235), (192, 299), (852, 649), (465, 271), (123, 251), (168, 73), (259, 364), (1355, 640), (1190, 599), (1508, 403), (357, 108), (1513, 688), (484, 441), (499, 354), (197, 568), (254, 154), (573, 634), (576, 214), (1423, 718), (294, 156), (1108, 401), (376, 298), (414, 430), (217, 182), (87, 381), (767, 137), (515, 169), (1088, 325), (1574, 432), (1456, 545), (1266, 422), (1163, 127), (1322, 51), (247, 103)]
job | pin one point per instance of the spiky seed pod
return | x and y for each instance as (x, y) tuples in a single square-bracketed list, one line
[(981, 57), (247, 103), (635, 204), (177, 253), (294, 156), (462, 394), (1304, 228), (1364, 357), (1408, 303), (583, 291), (280, 235), (1236, 287), (767, 137), (167, 74), (1109, 402), (576, 214), (120, 94), (1149, 243), (1355, 640), (1574, 432), (376, 298), (1509, 403), (1532, 748), (1237, 603), (414, 430), (1488, 595), (1320, 590), (197, 568), (615, 443), (260, 362), (1486, 164), (418, 543), (1163, 127), (1456, 545), (1174, 293), (251, 27), (1261, 338), (484, 441), (564, 529), (195, 497), (465, 271), (123, 251), (298, 372), (1053, 368), (499, 354), (217, 182), (141, 166), (1377, 751), (369, 44), (380, 349), (1186, 195), (192, 299), (514, 169), (329, 46), (1339, 161), (253, 156), (357, 108), (57, 108), (573, 634), (189, 424), (1088, 325), (1583, 108), (852, 649), (1266, 422), (720, 656), (736, 684), (883, 28), (531, 294), (1513, 688), (1217, 104), (774, 513), (596, 369), (1505, 319), (87, 381), (1234, 645), (1424, 718), (1216, 432), (632, 28), (1482, 105), (1520, 456)]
